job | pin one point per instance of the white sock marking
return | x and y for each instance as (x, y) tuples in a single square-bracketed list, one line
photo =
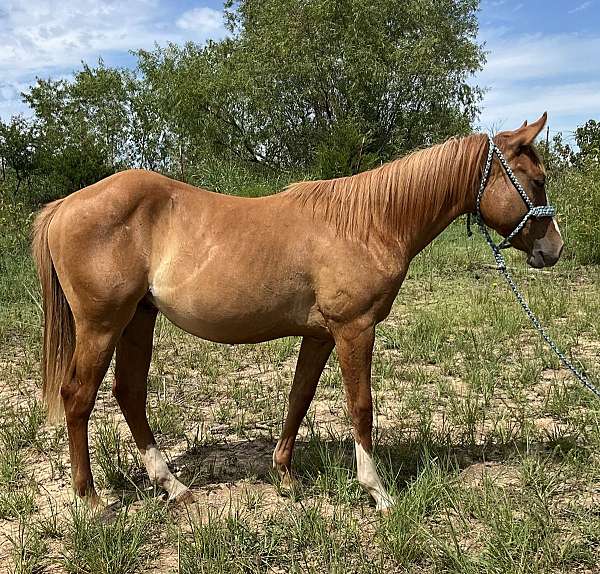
[(369, 479), (159, 472)]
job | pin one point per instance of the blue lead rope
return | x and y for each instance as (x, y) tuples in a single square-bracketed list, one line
[(533, 211)]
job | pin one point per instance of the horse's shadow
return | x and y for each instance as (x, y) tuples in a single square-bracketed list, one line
[(205, 465), (225, 462), (401, 461)]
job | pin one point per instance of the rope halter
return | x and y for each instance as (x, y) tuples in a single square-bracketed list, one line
[(534, 211)]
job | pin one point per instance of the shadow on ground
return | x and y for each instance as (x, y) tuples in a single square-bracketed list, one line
[(401, 461), (204, 465)]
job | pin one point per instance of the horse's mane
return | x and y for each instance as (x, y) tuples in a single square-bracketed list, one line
[(418, 186)]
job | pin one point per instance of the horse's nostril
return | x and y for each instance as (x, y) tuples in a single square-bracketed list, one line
[(550, 258)]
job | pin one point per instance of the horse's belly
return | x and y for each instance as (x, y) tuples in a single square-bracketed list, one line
[(230, 316), (232, 288)]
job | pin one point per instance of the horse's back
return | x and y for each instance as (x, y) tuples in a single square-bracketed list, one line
[(224, 268)]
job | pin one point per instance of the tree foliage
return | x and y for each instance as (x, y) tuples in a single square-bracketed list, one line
[(330, 86), (304, 78), (559, 155), (587, 137), (17, 149)]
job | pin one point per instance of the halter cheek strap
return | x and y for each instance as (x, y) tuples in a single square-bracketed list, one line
[(532, 210)]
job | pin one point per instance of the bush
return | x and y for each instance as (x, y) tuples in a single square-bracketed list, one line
[(237, 178), (576, 194), (17, 277), (342, 153)]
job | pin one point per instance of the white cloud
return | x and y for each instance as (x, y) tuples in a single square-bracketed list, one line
[(566, 105), (538, 56), (529, 74), (42, 34), (581, 7), (51, 37), (203, 20)]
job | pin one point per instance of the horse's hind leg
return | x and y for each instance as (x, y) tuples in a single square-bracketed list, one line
[(93, 351), (311, 361), (134, 351)]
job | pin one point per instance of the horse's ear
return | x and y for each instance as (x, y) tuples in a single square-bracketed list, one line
[(524, 125), (526, 134)]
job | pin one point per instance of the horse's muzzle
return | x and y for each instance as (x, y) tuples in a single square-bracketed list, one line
[(540, 258)]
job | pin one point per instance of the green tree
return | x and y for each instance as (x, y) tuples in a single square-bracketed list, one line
[(18, 141), (587, 137), (343, 84), (395, 71), (72, 150), (100, 97), (148, 144), (557, 154), (164, 107)]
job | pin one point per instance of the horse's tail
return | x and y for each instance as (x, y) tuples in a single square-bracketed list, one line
[(59, 327)]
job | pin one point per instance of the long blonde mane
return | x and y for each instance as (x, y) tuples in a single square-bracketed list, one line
[(410, 189)]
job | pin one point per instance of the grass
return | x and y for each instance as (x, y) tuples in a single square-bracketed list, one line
[(121, 546), (307, 541), (578, 200), (488, 446), (118, 461), (28, 549)]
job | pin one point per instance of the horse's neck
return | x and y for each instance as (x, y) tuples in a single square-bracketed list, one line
[(419, 236), (418, 232)]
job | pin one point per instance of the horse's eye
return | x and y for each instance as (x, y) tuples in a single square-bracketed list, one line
[(539, 182)]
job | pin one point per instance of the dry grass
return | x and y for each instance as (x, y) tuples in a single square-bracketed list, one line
[(490, 448)]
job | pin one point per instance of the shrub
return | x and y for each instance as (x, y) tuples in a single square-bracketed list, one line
[(576, 194)]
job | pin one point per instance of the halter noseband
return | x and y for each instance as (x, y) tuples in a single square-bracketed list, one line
[(532, 210)]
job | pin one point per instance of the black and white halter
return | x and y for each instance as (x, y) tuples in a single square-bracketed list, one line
[(532, 210)]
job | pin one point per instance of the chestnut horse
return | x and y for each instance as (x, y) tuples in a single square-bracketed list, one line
[(322, 260)]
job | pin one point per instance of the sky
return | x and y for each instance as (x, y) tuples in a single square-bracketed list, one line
[(542, 55)]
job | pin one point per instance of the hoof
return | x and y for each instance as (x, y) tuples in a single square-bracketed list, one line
[(95, 503), (385, 507), (185, 498), (288, 485)]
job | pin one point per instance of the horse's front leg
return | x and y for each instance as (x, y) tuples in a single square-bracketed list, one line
[(354, 344), (311, 362)]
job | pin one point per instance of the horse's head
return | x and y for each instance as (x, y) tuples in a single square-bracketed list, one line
[(502, 206)]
